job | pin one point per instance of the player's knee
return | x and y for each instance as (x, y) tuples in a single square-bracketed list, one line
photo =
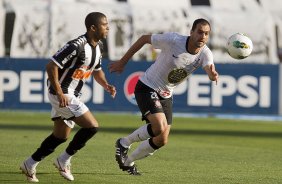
[(90, 131), (158, 142), (162, 142), (92, 125), (160, 128), (94, 130)]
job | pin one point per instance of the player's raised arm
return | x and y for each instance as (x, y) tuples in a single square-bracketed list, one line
[(212, 73), (118, 66)]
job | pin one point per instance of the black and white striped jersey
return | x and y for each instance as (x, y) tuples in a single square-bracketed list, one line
[(76, 60)]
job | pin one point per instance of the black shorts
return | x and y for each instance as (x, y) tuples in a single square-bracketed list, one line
[(149, 101)]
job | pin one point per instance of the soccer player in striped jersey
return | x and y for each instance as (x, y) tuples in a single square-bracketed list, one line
[(180, 56), (67, 71)]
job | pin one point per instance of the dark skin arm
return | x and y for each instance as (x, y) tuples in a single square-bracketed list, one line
[(52, 71), (99, 76)]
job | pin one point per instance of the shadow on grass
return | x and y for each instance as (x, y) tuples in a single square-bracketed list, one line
[(234, 133), (15, 180)]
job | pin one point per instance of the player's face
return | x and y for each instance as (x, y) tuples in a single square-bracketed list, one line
[(103, 28), (200, 35)]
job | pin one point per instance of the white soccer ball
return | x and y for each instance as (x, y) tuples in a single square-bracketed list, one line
[(239, 46)]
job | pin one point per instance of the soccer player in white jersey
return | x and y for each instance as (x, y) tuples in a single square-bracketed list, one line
[(67, 71), (180, 56)]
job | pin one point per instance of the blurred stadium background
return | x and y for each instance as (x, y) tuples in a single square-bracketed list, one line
[(32, 30)]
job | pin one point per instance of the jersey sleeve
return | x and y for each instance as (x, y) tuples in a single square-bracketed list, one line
[(161, 41), (65, 54), (207, 57)]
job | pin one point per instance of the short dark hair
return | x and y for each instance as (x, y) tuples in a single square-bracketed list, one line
[(93, 18), (200, 21)]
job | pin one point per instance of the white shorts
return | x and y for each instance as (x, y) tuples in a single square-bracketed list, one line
[(75, 108)]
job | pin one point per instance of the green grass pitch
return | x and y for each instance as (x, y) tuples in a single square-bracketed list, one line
[(200, 151)]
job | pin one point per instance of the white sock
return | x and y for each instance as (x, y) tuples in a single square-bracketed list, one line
[(65, 157), (31, 163), (138, 135), (142, 151)]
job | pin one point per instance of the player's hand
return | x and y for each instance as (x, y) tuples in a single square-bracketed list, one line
[(111, 89), (214, 74), (63, 100), (117, 66)]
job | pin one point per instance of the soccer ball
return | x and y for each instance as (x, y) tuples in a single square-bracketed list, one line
[(239, 46)]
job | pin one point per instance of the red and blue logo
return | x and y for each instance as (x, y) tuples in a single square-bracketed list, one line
[(129, 86)]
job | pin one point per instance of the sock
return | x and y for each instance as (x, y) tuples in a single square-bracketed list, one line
[(143, 150), (80, 138), (47, 147), (141, 134), (65, 157), (31, 163)]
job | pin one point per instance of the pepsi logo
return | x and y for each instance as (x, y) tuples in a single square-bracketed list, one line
[(129, 86)]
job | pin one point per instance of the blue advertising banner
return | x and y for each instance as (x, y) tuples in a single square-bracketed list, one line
[(242, 88)]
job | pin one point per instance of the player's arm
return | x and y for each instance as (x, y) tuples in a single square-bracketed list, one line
[(100, 77), (118, 66), (53, 76), (212, 73)]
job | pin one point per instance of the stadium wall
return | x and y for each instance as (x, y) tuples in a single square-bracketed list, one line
[(24, 35), (242, 88)]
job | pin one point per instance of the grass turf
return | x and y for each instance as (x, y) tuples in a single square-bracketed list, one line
[(200, 151)]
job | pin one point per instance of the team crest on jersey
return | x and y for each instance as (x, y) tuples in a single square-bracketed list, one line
[(129, 86), (177, 75)]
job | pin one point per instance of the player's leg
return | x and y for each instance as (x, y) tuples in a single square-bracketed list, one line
[(146, 148), (149, 104), (160, 122), (143, 133), (149, 146), (89, 128), (152, 111), (156, 111), (157, 125), (59, 135)]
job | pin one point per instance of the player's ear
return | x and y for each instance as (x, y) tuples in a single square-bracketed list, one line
[(191, 31), (93, 28)]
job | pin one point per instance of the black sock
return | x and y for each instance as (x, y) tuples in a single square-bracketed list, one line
[(47, 147), (152, 144), (150, 131), (80, 138)]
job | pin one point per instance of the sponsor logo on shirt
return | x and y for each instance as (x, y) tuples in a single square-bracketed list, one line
[(82, 73), (69, 57)]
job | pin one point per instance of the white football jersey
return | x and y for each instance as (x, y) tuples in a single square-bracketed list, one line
[(174, 64)]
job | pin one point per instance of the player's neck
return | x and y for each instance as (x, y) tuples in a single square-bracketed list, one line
[(92, 40), (192, 49)]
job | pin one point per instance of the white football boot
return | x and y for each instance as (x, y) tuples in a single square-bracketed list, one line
[(29, 172), (64, 169)]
